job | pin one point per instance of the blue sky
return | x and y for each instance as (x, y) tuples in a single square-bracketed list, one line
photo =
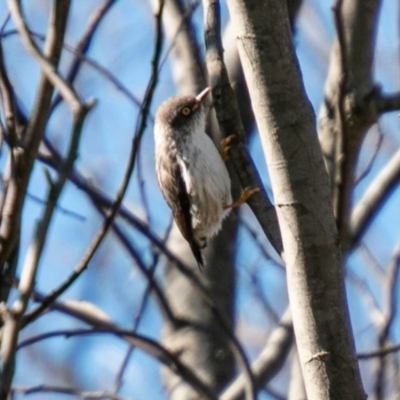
[(124, 45)]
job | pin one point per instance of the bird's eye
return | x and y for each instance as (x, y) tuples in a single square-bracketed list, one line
[(186, 111)]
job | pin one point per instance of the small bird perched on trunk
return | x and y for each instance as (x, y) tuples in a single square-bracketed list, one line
[(191, 172)]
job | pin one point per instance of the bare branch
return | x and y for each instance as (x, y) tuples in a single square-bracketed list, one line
[(378, 353), (343, 162), (85, 395), (8, 99), (268, 363), (22, 162), (150, 346), (389, 311), (230, 124), (99, 197), (142, 122), (372, 158), (376, 195), (84, 44), (186, 62), (47, 67), (349, 108), (388, 102), (92, 63)]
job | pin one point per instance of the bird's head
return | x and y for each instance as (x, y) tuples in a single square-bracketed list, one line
[(184, 114)]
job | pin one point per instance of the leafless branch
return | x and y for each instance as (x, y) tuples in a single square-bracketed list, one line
[(22, 157), (228, 115), (343, 162), (85, 395), (230, 124), (8, 99), (374, 198), (66, 91), (187, 71), (378, 353), (349, 109), (107, 74), (84, 44), (372, 159), (99, 197), (102, 324), (23, 160), (389, 312), (370, 301), (268, 363), (252, 232), (142, 122), (388, 102)]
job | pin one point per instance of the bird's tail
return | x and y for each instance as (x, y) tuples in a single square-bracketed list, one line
[(198, 255)]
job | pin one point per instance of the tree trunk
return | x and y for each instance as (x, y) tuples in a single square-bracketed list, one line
[(302, 196)]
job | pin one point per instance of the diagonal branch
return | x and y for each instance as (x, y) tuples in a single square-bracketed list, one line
[(230, 124), (376, 195), (141, 126), (268, 363), (84, 44), (102, 324), (22, 160)]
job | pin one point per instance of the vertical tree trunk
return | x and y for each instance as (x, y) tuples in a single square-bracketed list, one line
[(303, 199)]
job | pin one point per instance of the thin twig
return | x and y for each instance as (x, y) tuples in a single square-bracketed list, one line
[(139, 314), (123, 238), (84, 395), (372, 159), (97, 197), (389, 312), (269, 361), (103, 326), (367, 295), (379, 352), (9, 132), (8, 98), (23, 159), (112, 212), (66, 91), (142, 122), (84, 44), (374, 198), (92, 63), (253, 233), (35, 250)]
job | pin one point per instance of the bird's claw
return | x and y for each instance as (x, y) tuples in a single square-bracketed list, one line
[(246, 194), (226, 146)]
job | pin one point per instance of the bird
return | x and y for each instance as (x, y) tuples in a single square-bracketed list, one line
[(191, 172)]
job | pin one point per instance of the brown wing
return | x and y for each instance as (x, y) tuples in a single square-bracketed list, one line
[(177, 197), (184, 219)]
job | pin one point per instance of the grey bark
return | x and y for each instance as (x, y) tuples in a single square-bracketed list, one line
[(297, 391), (351, 100), (199, 341), (302, 196)]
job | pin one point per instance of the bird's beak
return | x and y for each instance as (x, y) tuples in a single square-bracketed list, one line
[(201, 96)]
